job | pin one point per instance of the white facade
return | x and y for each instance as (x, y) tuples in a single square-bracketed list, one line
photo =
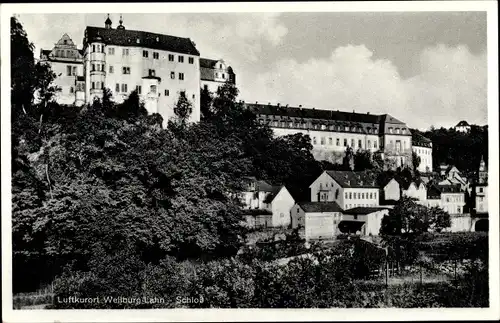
[(214, 73), (315, 225), (425, 154), (326, 189), (481, 198), (159, 76), (281, 207), (418, 192)]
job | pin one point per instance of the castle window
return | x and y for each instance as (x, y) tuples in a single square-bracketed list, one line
[(151, 72), (314, 140), (352, 143), (138, 88), (93, 85), (191, 60), (223, 75), (126, 70), (193, 96), (181, 76), (369, 144), (172, 75), (338, 141), (167, 92), (138, 41), (71, 90), (346, 128), (375, 144), (330, 141), (322, 140), (102, 86), (359, 143), (98, 85), (93, 48), (92, 68), (145, 53), (74, 70), (170, 57), (181, 59), (124, 88), (111, 69), (397, 130), (156, 55), (390, 130), (68, 69), (111, 50), (117, 89), (152, 88), (345, 142), (102, 49), (125, 52)]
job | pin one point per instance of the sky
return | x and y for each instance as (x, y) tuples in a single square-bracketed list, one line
[(424, 68)]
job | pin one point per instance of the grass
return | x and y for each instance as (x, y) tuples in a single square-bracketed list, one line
[(38, 299)]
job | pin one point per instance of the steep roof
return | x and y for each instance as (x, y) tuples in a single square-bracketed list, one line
[(125, 37), (364, 210), (207, 62), (274, 191), (320, 207), (350, 179), (433, 192), (462, 123), (418, 140)]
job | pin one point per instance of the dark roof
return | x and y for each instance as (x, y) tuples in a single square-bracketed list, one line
[(320, 207), (207, 74), (418, 140), (207, 63), (364, 210), (449, 188), (433, 192), (274, 191), (462, 123), (256, 212), (348, 179), (80, 78), (125, 37)]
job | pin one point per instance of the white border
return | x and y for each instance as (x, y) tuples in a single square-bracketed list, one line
[(10, 315)]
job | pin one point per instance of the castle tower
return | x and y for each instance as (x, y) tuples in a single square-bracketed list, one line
[(97, 68), (108, 23), (121, 23), (483, 172)]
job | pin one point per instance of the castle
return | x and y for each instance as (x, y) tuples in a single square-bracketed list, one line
[(160, 67)]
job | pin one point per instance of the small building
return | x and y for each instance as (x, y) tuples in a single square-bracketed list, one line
[(417, 190), (462, 126), (266, 205), (391, 191), (452, 199), (214, 73), (363, 220), (422, 146), (347, 188), (316, 220)]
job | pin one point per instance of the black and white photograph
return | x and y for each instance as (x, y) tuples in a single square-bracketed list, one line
[(249, 156)]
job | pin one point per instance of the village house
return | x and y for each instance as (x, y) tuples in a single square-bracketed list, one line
[(363, 220), (347, 188), (452, 176), (416, 190), (266, 205), (391, 191), (316, 220), (462, 126)]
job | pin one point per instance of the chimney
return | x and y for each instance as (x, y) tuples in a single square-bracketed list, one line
[(300, 105), (286, 106), (256, 102), (368, 113), (278, 104), (348, 182)]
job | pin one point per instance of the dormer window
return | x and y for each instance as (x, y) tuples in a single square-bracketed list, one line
[(157, 39), (390, 130)]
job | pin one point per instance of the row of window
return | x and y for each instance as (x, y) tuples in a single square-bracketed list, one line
[(317, 126), (397, 146), (96, 48), (126, 71), (449, 199), (323, 142), (360, 196), (422, 151), (397, 130), (65, 53), (79, 88)]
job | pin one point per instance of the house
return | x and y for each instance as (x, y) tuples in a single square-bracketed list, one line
[(365, 220), (462, 126), (452, 199), (452, 176), (214, 73), (347, 188), (266, 205), (422, 146), (391, 191), (417, 190), (316, 220)]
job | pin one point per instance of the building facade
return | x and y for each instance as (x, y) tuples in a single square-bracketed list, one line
[(214, 73), (316, 220), (462, 126), (331, 132), (160, 67), (348, 189), (66, 61), (423, 148)]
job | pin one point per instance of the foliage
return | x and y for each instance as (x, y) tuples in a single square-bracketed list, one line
[(363, 160), (415, 161), (348, 159), (183, 108), (206, 99)]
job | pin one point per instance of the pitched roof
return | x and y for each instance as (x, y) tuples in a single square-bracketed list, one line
[(125, 37), (433, 192), (364, 210), (418, 140), (462, 123), (207, 62), (320, 207), (274, 191), (449, 188), (350, 179)]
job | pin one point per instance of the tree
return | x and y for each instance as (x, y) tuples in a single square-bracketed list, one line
[(206, 99), (363, 160), (439, 219), (407, 218), (348, 159), (415, 159), (183, 108)]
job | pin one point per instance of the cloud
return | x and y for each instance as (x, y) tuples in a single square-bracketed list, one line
[(451, 85)]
